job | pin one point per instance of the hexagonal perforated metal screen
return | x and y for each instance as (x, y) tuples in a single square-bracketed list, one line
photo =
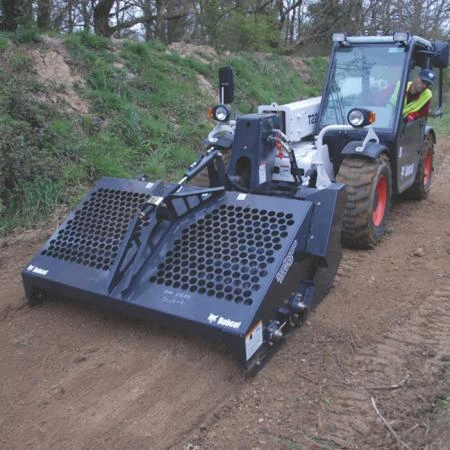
[(93, 236), (226, 254)]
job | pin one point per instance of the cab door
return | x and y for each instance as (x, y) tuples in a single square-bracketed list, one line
[(409, 145), (411, 133)]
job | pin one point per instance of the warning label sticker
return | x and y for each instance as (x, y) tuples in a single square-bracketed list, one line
[(253, 340), (262, 173)]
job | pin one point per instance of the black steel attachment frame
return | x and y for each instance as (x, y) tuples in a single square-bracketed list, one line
[(170, 206), (241, 268)]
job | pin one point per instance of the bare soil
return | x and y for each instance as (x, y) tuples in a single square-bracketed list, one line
[(370, 369), (54, 68)]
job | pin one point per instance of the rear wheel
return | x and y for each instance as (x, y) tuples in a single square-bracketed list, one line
[(369, 189), (422, 184)]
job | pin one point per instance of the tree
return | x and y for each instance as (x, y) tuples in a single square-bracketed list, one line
[(102, 11), (10, 15), (43, 14), (233, 24), (428, 18)]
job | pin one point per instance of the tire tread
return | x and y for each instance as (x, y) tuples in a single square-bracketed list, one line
[(358, 174)]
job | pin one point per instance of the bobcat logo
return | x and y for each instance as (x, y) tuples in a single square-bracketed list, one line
[(212, 318)]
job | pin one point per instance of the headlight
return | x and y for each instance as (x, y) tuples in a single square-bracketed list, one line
[(220, 113), (339, 37), (360, 117), (356, 117), (400, 36)]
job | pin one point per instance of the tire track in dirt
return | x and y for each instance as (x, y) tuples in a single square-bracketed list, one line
[(403, 367), (327, 401), (405, 370), (76, 377)]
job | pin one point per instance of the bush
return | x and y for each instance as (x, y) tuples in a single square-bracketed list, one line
[(25, 35)]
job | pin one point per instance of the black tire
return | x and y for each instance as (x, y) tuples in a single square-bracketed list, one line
[(424, 177), (369, 190)]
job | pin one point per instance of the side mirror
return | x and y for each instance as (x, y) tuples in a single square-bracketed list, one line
[(440, 57), (226, 85)]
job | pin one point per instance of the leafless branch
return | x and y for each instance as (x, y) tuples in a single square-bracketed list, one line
[(386, 423)]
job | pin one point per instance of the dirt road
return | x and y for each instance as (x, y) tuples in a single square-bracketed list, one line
[(370, 369)]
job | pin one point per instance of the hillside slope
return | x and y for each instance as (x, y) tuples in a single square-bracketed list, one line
[(77, 108)]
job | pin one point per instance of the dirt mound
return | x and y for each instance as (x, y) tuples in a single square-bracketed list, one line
[(53, 69), (202, 53)]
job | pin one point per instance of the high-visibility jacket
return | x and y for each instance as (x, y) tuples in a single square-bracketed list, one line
[(416, 105)]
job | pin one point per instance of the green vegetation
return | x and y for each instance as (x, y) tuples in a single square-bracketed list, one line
[(441, 125), (265, 78), (30, 147), (147, 114)]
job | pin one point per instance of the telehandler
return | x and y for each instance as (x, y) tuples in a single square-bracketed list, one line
[(356, 134)]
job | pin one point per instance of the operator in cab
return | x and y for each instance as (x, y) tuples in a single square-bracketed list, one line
[(418, 95)]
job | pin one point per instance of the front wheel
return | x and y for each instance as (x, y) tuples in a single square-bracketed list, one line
[(369, 190)]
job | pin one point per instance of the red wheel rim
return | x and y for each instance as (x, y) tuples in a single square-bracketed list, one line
[(427, 168), (380, 201)]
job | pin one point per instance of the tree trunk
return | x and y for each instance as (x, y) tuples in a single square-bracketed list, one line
[(101, 18), (43, 14), (177, 20), (70, 17), (160, 29), (10, 11), (26, 19), (86, 14), (148, 24)]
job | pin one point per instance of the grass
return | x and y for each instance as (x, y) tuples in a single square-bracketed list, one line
[(154, 107), (37, 198), (441, 125), (441, 406), (263, 79)]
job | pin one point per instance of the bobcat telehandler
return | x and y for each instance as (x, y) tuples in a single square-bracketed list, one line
[(242, 260), (356, 134)]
